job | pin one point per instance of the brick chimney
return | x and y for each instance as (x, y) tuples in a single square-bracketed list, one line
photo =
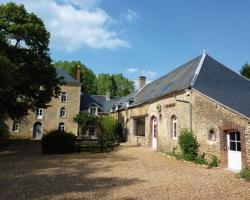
[(78, 73), (142, 81)]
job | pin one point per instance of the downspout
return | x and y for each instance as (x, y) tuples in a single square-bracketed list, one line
[(190, 110)]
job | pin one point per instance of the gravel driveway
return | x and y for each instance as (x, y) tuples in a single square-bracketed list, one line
[(127, 173)]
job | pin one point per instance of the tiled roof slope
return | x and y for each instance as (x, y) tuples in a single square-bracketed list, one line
[(104, 105), (207, 76), (66, 77), (224, 85), (176, 80)]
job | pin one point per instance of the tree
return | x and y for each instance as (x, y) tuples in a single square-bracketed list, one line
[(116, 84), (28, 80), (245, 71), (124, 85), (87, 75)]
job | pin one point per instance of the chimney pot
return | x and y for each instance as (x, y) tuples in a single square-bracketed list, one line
[(78, 73), (142, 81)]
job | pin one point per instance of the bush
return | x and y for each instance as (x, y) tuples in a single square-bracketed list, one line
[(200, 159), (245, 173), (58, 142), (188, 144), (4, 131), (108, 124), (214, 161), (119, 130)]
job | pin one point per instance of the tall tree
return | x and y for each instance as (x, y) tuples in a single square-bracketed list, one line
[(124, 85), (87, 75), (116, 84), (28, 80), (245, 70)]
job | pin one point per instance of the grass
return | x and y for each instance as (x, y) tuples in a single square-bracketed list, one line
[(245, 173)]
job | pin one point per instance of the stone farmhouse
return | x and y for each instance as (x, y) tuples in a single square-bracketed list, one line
[(202, 95), (59, 115)]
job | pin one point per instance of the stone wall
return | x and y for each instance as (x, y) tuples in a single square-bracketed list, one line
[(51, 117), (206, 115)]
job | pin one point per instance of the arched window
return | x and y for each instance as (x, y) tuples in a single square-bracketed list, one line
[(64, 97), (61, 127), (15, 126), (62, 112), (211, 135), (173, 125)]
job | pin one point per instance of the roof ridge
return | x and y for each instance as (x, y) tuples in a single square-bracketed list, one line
[(196, 74)]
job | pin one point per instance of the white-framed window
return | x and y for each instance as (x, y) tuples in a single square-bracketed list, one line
[(61, 127), (62, 112), (92, 132), (211, 135), (93, 111), (39, 113), (15, 127), (174, 127), (64, 97)]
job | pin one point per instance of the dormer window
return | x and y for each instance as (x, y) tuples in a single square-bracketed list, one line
[(64, 97), (93, 111)]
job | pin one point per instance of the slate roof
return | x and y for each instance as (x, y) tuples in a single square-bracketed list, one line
[(104, 106), (66, 77), (207, 76), (224, 85)]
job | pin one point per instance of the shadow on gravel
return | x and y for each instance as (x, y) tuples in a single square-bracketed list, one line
[(28, 174)]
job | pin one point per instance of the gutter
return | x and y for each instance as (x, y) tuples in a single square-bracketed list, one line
[(190, 110)]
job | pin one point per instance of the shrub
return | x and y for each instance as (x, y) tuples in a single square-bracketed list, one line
[(188, 144), (58, 142), (108, 124), (214, 161), (4, 131), (119, 130), (200, 159), (245, 173)]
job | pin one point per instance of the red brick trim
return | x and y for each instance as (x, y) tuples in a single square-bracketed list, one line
[(224, 130)]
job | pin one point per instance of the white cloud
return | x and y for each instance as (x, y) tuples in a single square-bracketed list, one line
[(149, 73), (130, 15), (74, 24), (132, 70)]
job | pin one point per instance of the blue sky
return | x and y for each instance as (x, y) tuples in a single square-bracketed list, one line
[(146, 37)]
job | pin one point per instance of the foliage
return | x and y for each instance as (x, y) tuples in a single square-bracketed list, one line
[(188, 144), (107, 124), (84, 120), (245, 173), (28, 80), (214, 161), (119, 130), (4, 131), (200, 159), (116, 84), (58, 142), (87, 75), (245, 71)]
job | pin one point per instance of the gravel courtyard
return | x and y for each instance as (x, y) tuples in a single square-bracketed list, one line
[(127, 173)]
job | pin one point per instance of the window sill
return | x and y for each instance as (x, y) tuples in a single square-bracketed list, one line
[(211, 142), (175, 138), (140, 136)]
